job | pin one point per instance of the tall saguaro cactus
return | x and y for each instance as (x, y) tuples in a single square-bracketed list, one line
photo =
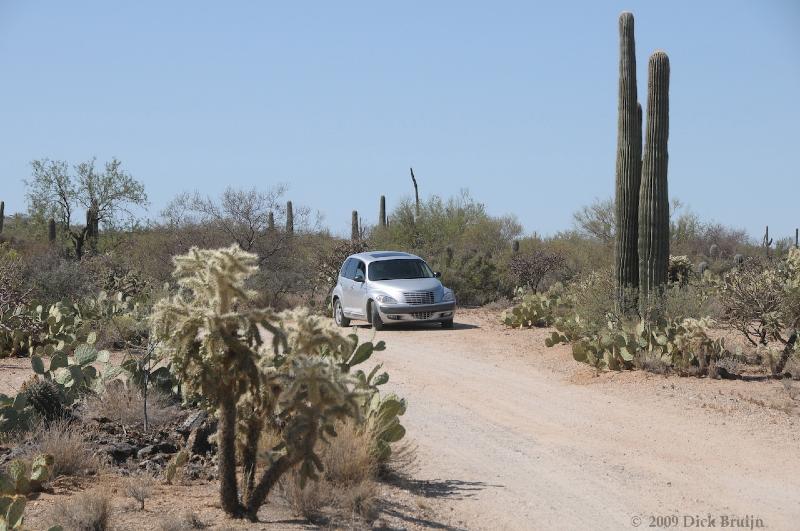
[(653, 196), (628, 170), (2, 215), (355, 234), (289, 218), (382, 213), (271, 221)]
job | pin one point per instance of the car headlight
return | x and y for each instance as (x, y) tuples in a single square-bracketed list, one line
[(385, 299), (448, 296)]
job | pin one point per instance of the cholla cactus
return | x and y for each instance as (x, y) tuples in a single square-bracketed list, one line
[(241, 361), (679, 269)]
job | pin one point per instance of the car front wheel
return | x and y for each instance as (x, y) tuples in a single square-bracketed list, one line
[(377, 323), (447, 324), (338, 314)]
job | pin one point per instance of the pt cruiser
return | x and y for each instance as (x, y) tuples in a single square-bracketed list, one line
[(385, 287)]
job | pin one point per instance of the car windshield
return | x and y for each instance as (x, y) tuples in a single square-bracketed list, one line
[(399, 269)]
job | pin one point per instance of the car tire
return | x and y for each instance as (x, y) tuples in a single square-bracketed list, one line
[(375, 317), (338, 314), (447, 324)]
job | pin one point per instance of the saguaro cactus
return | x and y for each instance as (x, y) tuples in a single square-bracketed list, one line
[(289, 218), (2, 215), (382, 212), (354, 232), (51, 230), (628, 169), (271, 221), (766, 241), (653, 196)]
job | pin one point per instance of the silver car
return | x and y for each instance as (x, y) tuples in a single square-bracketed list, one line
[(385, 287)]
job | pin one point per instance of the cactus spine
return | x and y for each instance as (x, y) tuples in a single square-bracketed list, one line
[(354, 232), (628, 169), (382, 213), (289, 218), (653, 196), (51, 230)]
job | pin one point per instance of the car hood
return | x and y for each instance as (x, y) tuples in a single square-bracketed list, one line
[(411, 284)]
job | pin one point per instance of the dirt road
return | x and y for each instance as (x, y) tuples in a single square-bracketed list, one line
[(512, 435)]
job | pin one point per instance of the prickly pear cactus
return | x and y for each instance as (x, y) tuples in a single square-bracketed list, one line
[(12, 511), (21, 478), (383, 420)]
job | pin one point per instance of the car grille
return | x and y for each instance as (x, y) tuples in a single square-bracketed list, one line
[(418, 297), (422, 315)]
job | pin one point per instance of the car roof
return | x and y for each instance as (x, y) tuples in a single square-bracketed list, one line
[(377, 256)]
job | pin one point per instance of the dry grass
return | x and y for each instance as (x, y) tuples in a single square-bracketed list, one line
[(348, 482), (139, 487), (187, 522), (64, 441), (125, 404), (86, 511)]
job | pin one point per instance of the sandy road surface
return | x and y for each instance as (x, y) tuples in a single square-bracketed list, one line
[(507, 443)]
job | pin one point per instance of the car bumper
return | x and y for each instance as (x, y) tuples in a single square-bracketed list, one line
[(441, 311)]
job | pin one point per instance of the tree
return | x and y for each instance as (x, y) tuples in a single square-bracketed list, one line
[(597, 220), (105, 196), (529, 269), (242, 216)]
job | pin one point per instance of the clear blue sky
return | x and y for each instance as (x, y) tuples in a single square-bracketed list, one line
[(515, 101)]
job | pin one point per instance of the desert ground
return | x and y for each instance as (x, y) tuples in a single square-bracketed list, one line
[(510, 434)]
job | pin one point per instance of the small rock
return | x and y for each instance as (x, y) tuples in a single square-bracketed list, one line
[(120, 451), (192, 423), (146, 451)]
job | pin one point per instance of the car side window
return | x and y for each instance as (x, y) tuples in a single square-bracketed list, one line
[(346, 267), (360, 266)]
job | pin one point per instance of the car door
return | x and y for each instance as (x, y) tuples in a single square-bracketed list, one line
[(346, 282), (358, 291)]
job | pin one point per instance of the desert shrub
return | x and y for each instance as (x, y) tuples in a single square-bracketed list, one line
[(528, 269), (64, 441), (696, 300), (458, 238), (123, 403), (185, 522), (85, 511), (752, 297), (592, 295), (57, 279), (17, 322), (139, 487)]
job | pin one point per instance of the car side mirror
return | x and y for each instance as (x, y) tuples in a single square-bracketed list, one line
[(437, 274), (358, 277)]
